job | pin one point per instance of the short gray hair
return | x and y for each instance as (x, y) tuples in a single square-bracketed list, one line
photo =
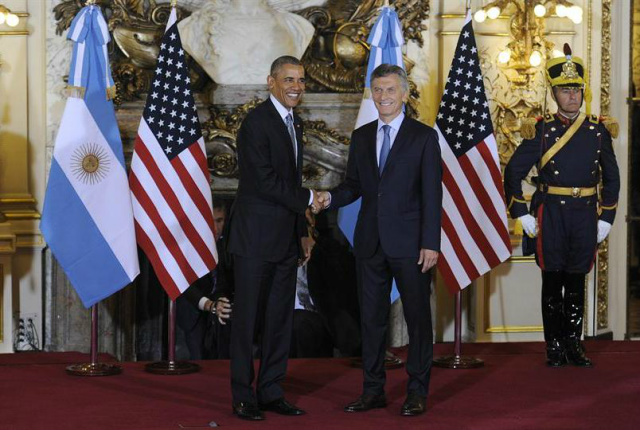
[(384, 70), (281, 61)]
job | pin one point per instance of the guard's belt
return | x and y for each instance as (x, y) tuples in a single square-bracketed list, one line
[(568, 191)]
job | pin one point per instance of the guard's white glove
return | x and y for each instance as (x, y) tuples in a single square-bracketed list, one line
[(529, 225), (603, 230)]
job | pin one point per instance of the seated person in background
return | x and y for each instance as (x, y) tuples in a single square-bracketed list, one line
[(206, 333), (332, 281), (326, 317), (311, 336)]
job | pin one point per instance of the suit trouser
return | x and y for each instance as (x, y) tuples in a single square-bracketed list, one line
[(272, 284), (374, 287), (192, 322)]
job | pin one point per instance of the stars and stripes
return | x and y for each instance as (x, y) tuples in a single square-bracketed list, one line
[(475, 235), (169, 179)]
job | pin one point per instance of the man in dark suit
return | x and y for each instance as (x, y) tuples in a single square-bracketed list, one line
[(267, 239), (395, 166), (326, 319), (203, 311)]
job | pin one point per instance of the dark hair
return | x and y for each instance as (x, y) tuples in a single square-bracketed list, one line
[(219, 204), (390, 69), (281, 61)]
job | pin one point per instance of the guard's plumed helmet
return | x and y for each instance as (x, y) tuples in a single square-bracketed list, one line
[(569, 71)]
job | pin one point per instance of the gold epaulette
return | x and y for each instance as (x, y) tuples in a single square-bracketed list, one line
[(611, 125), (528, 128)]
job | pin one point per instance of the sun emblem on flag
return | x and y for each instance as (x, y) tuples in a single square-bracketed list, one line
[(90, 163)]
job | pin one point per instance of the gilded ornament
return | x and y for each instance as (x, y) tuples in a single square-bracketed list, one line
[(602, 306), (569, 71)]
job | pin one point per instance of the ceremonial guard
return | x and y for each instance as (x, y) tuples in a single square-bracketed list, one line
[(569, 213)]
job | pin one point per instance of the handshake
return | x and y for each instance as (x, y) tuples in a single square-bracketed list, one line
[(321, 201)]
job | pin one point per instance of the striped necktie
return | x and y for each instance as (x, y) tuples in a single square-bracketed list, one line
[(292, 135)]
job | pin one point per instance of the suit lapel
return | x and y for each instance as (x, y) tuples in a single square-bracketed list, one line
[(282, 130), (371, 138)]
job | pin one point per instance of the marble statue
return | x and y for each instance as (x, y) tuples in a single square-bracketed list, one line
[(235, 41)]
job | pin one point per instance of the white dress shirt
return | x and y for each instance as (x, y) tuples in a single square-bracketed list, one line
[(395, 126)]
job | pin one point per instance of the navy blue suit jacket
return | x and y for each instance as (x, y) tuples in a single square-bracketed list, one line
[(402, 208)]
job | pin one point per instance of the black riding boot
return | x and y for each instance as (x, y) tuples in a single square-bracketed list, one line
[(552, 317), (573, 319)]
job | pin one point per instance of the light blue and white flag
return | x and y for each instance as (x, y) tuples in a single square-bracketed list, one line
[(87, 217), (385, 40)]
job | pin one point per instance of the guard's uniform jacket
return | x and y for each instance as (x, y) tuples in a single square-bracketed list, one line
[(567, 204)]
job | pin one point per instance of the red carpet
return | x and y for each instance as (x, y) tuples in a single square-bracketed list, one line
[(513, 391)]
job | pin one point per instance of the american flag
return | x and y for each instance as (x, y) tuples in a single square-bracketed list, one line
[(169, 179), (475, 236)]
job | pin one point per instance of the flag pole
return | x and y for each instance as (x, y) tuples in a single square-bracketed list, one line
[(171, 366), (457, 360), (94, 368)]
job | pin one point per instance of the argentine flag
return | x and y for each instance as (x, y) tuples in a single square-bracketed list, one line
[(385, 40), (87, 217)]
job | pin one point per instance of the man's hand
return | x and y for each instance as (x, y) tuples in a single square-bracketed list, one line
[(603, 230), (307, 246), (529, 225), (428, 259), (324, 197), (321, 201), (223, 310)]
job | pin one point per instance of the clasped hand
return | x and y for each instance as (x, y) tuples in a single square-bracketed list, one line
[(321, 201), (223, 309)]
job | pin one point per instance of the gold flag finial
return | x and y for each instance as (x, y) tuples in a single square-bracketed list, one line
[(90, 3), (174, 3)]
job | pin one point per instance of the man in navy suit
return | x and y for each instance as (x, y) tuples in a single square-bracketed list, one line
[(395, 166), (267, 239)]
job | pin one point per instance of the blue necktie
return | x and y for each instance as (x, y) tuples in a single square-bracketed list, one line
[(386, 147)]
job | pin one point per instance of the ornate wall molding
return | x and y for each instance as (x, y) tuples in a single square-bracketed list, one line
[(602, 311), (335, 60), (221, 129)]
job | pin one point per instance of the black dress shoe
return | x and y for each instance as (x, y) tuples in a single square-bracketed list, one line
[(366, 402), (247, 411), (282, 407), (575, 354), (415, 404)]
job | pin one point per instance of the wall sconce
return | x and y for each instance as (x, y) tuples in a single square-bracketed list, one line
[(11, 19), (528, 48)]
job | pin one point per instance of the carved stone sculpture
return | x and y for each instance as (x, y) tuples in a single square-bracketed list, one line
[(236, 41)]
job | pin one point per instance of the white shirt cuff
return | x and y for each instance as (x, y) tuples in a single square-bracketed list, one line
[(310, 197), (203, 301)]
